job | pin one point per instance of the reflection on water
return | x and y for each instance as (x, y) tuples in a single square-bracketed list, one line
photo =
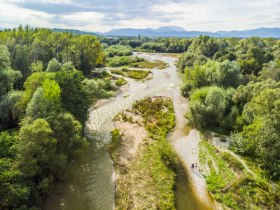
[(185, 196), (89, 185)]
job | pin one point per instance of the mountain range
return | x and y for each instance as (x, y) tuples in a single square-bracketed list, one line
[(173, 31)]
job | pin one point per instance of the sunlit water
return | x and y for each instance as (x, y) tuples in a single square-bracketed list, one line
[(90, 183)]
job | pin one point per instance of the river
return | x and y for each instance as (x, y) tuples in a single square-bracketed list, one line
[(90, 184)]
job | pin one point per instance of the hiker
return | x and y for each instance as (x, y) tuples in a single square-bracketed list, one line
[(196, 166), (192, 166)]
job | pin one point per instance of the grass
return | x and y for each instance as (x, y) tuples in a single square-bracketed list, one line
[(135, 62), (118, 61), (148, 183), (134, 74), (115, 143), (149, 64), (121, 82), (231, 184)]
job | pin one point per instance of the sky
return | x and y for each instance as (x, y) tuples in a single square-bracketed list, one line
[(104, 15)]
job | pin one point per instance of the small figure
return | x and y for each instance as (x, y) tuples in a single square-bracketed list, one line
[(196, 166), (192, 166)]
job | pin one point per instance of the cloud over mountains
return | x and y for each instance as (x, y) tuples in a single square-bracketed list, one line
[(103, 15)]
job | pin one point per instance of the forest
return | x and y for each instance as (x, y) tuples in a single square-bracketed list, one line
[(46, 90), (49, 81)]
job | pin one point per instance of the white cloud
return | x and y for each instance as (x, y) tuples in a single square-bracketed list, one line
[(101, 15), (12, 15)]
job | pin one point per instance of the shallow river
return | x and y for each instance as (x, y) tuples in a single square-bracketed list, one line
[(90, 183)]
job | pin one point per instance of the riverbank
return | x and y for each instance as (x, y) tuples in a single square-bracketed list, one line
[(233, 182), (144, 160)]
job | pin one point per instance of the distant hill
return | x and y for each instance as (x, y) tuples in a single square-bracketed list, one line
[(73, 31), (169, 28), (174, 31)]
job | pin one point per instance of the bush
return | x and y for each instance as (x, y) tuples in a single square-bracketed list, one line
[(121, 82), (123, 61), (118, 50), (134, 74), (207, 106)]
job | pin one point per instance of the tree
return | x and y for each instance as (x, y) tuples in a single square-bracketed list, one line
[(260, 134), (90, 53), (68, 133), (207, 46), (207, 106), (22, 61), (37, 66), (7, 75), (9, 114), (45, 100), (37, 158), (74, 97), (34, 81), (229, 74), (270, 70), (188, 60), (13, 191), (53, 65)]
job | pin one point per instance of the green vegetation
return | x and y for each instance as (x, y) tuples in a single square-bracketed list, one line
[(145, 44), (123, 61), (232, 184), (118, 50), (149, 65), (135, 62), (233, 86), (148, 182), (43, 108), (134, 74), (115, 144), (121, 82)]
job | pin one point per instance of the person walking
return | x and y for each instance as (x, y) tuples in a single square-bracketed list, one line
[(192, 166)]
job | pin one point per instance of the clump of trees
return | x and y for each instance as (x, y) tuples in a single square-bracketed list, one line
[(145, 44), (123, 61), (118, 50), (44, 105), (233, 86), (30, 47)]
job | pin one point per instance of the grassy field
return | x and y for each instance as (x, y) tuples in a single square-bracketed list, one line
[(121, 82), (119, 61), (148, 182), (149, 64), (135, 62), (134, 74), (234, 185)]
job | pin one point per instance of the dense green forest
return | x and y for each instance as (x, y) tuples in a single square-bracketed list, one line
[(46, 89), (234, 88)]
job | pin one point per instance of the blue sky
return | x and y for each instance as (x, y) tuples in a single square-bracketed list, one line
[(103, 15)]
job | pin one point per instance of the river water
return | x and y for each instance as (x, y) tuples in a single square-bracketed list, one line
[(90, 184)]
